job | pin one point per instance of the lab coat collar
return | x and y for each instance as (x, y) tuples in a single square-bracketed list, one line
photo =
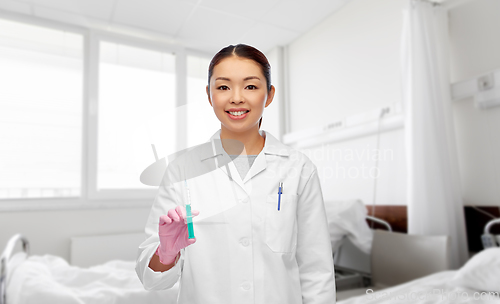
[(271, 146)]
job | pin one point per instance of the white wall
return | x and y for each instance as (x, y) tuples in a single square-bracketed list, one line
[(475, 49), (49, 232), (271, 118), (348, 64)]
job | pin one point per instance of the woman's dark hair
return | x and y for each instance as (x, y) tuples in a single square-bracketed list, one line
[(243, 51)]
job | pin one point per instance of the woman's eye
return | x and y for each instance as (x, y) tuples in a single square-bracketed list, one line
[(252, 87), (223, 87)]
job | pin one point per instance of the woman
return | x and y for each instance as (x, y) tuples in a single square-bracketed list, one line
[(266, 243)]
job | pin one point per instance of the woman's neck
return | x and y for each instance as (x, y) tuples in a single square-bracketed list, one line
[(252, 141)]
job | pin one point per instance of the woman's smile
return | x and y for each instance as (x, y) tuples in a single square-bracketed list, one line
[(237, 113)]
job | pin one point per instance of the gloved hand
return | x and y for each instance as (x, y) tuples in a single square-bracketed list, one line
[(173, 233)]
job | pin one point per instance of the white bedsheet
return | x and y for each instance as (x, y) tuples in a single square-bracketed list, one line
[(436, 288), (49, 279)]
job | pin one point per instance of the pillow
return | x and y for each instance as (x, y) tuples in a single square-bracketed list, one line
[(14, 261), (481, 272), (348, 219)]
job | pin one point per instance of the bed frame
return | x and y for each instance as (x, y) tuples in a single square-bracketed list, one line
[(352, 265), (6, 255)]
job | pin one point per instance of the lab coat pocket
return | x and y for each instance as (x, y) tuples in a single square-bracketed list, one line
[(281, 225)]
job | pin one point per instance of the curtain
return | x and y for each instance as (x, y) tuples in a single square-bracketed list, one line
[(435, 205)]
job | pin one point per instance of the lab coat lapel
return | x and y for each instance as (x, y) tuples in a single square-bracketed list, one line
[(271, 146), (220, 154), (235, 175), (259, 165)]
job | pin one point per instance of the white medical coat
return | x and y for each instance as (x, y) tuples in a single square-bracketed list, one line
[(249, 252)]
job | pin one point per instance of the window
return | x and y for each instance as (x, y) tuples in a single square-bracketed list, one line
[(41, 78), (201, 121), (59, 83), (136, 108)]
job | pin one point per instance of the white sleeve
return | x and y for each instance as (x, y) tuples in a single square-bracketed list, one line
[(314, 252), (166, 199)]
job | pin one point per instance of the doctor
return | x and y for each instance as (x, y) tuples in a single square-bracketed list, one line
[(259, 244)]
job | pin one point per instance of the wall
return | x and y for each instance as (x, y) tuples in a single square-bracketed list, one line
[(475, 49), (49, 231), (271, 120), (348, 64)]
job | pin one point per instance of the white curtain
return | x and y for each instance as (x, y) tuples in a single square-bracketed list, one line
[(435, 205)]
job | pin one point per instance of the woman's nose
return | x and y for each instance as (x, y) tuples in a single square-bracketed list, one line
[(237, 97)]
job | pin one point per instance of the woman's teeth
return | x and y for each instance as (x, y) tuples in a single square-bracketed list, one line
[(238, 113)]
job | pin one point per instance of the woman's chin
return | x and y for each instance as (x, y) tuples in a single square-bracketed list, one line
[(241, 128)]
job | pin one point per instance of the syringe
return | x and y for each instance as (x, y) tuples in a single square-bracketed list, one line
[(188, 213)]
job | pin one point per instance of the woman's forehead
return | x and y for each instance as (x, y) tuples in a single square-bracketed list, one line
[(237, 67)]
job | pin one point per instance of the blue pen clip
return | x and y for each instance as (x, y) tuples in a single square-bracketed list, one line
[(280, 191)]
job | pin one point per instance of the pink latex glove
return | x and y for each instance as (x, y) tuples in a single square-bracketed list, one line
[(173, 233)]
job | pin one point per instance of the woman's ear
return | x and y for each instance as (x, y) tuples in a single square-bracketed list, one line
[(208, 94), (270, 96)]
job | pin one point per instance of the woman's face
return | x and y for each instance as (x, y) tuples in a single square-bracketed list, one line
[(238, 94)]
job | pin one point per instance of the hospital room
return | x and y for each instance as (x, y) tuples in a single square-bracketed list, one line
[(266, 151)]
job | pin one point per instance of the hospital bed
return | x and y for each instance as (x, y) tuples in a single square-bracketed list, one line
[(50, 279), (402, 258)]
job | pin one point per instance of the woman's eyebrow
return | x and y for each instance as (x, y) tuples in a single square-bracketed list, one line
[(245, 79), (251, 77)]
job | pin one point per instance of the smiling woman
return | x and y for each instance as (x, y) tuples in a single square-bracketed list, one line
[(266, 237), (239, 101), (239, 89)]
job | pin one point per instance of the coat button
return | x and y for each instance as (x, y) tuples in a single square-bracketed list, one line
[(244, 200), (245, 242)]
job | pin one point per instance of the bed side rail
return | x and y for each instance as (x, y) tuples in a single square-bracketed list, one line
[(487, 238), (4, 259), (490, 224), (380, 221)]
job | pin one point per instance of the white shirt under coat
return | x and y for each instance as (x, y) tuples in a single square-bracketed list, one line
[(251, 252)]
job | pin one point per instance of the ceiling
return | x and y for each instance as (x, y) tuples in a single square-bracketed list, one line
[(204, 25)]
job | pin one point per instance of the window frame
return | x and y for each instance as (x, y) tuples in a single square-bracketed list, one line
[(90, 197), (42, 203), (92, 77)]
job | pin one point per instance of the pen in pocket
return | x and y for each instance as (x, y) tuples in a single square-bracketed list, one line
[(280, 191)]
